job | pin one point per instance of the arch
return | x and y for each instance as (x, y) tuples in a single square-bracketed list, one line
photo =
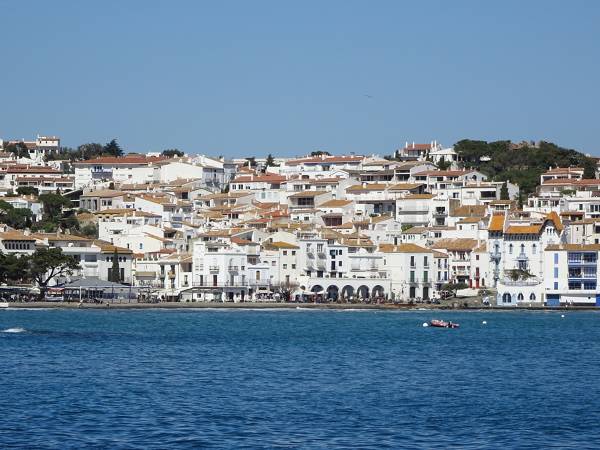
[(378, 291), (332, 292), (317, 288), (506, 298), (362, 292), (520, 297), (532, 297), (347, 292)]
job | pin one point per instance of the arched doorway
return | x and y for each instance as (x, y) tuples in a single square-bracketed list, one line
[(347, 293), (332, 293), (362, 292), (378, 291), (506, 298), (318, 292)]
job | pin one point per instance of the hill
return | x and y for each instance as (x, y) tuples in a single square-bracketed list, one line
[(521, 164)]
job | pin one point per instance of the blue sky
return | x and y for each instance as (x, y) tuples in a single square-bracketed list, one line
[(250, 78)]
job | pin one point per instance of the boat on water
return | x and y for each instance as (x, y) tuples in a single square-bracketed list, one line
[(442, 324)]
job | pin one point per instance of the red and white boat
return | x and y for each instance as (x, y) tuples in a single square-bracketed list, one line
[(443, 324)]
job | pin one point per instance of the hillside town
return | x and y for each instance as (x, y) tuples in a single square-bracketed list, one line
[(416, 227)]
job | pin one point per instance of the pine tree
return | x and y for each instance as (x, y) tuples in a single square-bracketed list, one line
[(116, 270), (113, 148), (504, 192)]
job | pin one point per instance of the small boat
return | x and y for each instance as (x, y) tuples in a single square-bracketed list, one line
[(442, 324)]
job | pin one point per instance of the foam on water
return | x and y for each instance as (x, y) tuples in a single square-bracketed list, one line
[(14, 330)]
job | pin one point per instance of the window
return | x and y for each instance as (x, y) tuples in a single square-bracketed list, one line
[(556, 272), (556, 258), (532, 297), (293, 252), (510, 249), (555, 285), (412, 261), (534, 250), (506, 298), (285, 266), (272, 263), (520, 297), (294, 266), (285, 253), (425, 261)]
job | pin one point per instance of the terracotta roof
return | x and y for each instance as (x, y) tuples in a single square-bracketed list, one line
[(417, 197), (14, 235), (456, 244), (103, 193), (266, 178), (496, 223), (405, 186), (280, 245), (367, 187), (552, 216), (443, 173), (403, 248), (567, 170), (523, 229), (574, 247), (334, 203)]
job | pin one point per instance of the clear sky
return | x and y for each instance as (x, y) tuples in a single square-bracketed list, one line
[(244, 78)]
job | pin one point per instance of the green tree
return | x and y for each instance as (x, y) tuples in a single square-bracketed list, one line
[(453, 287), (504, 192), (115, 273), (88, 151), (172, 152), (113, 148), (53, 205), (443, 164), (90, 230), (320, 153), (14, 268), (47, 264), (270, 161), (27, 190), (19, 149)]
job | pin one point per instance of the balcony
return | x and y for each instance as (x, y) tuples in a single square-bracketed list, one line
[(522, 257), (440, 214), (233, 268), (322, 255), (213, 269)]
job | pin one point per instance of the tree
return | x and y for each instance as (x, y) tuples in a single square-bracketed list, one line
[(270, 161), (89, 151), (47, 264), (53, 205), (18, 218), (19, 149), (113, 148), (320, 153), (90, 230), (504, 192), (115, 273), (453, 287), (443, 164), (173, 152), (286, 289), (14, 268), (27, 190)]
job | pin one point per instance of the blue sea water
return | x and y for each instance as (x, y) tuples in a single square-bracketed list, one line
[(298, 379)]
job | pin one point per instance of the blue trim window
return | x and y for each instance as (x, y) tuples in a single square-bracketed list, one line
[(556, 258)]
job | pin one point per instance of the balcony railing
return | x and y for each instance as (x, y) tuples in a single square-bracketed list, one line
[(522, 257), (213, 268)]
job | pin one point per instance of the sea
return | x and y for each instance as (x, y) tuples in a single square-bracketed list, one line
[(313, 379)]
